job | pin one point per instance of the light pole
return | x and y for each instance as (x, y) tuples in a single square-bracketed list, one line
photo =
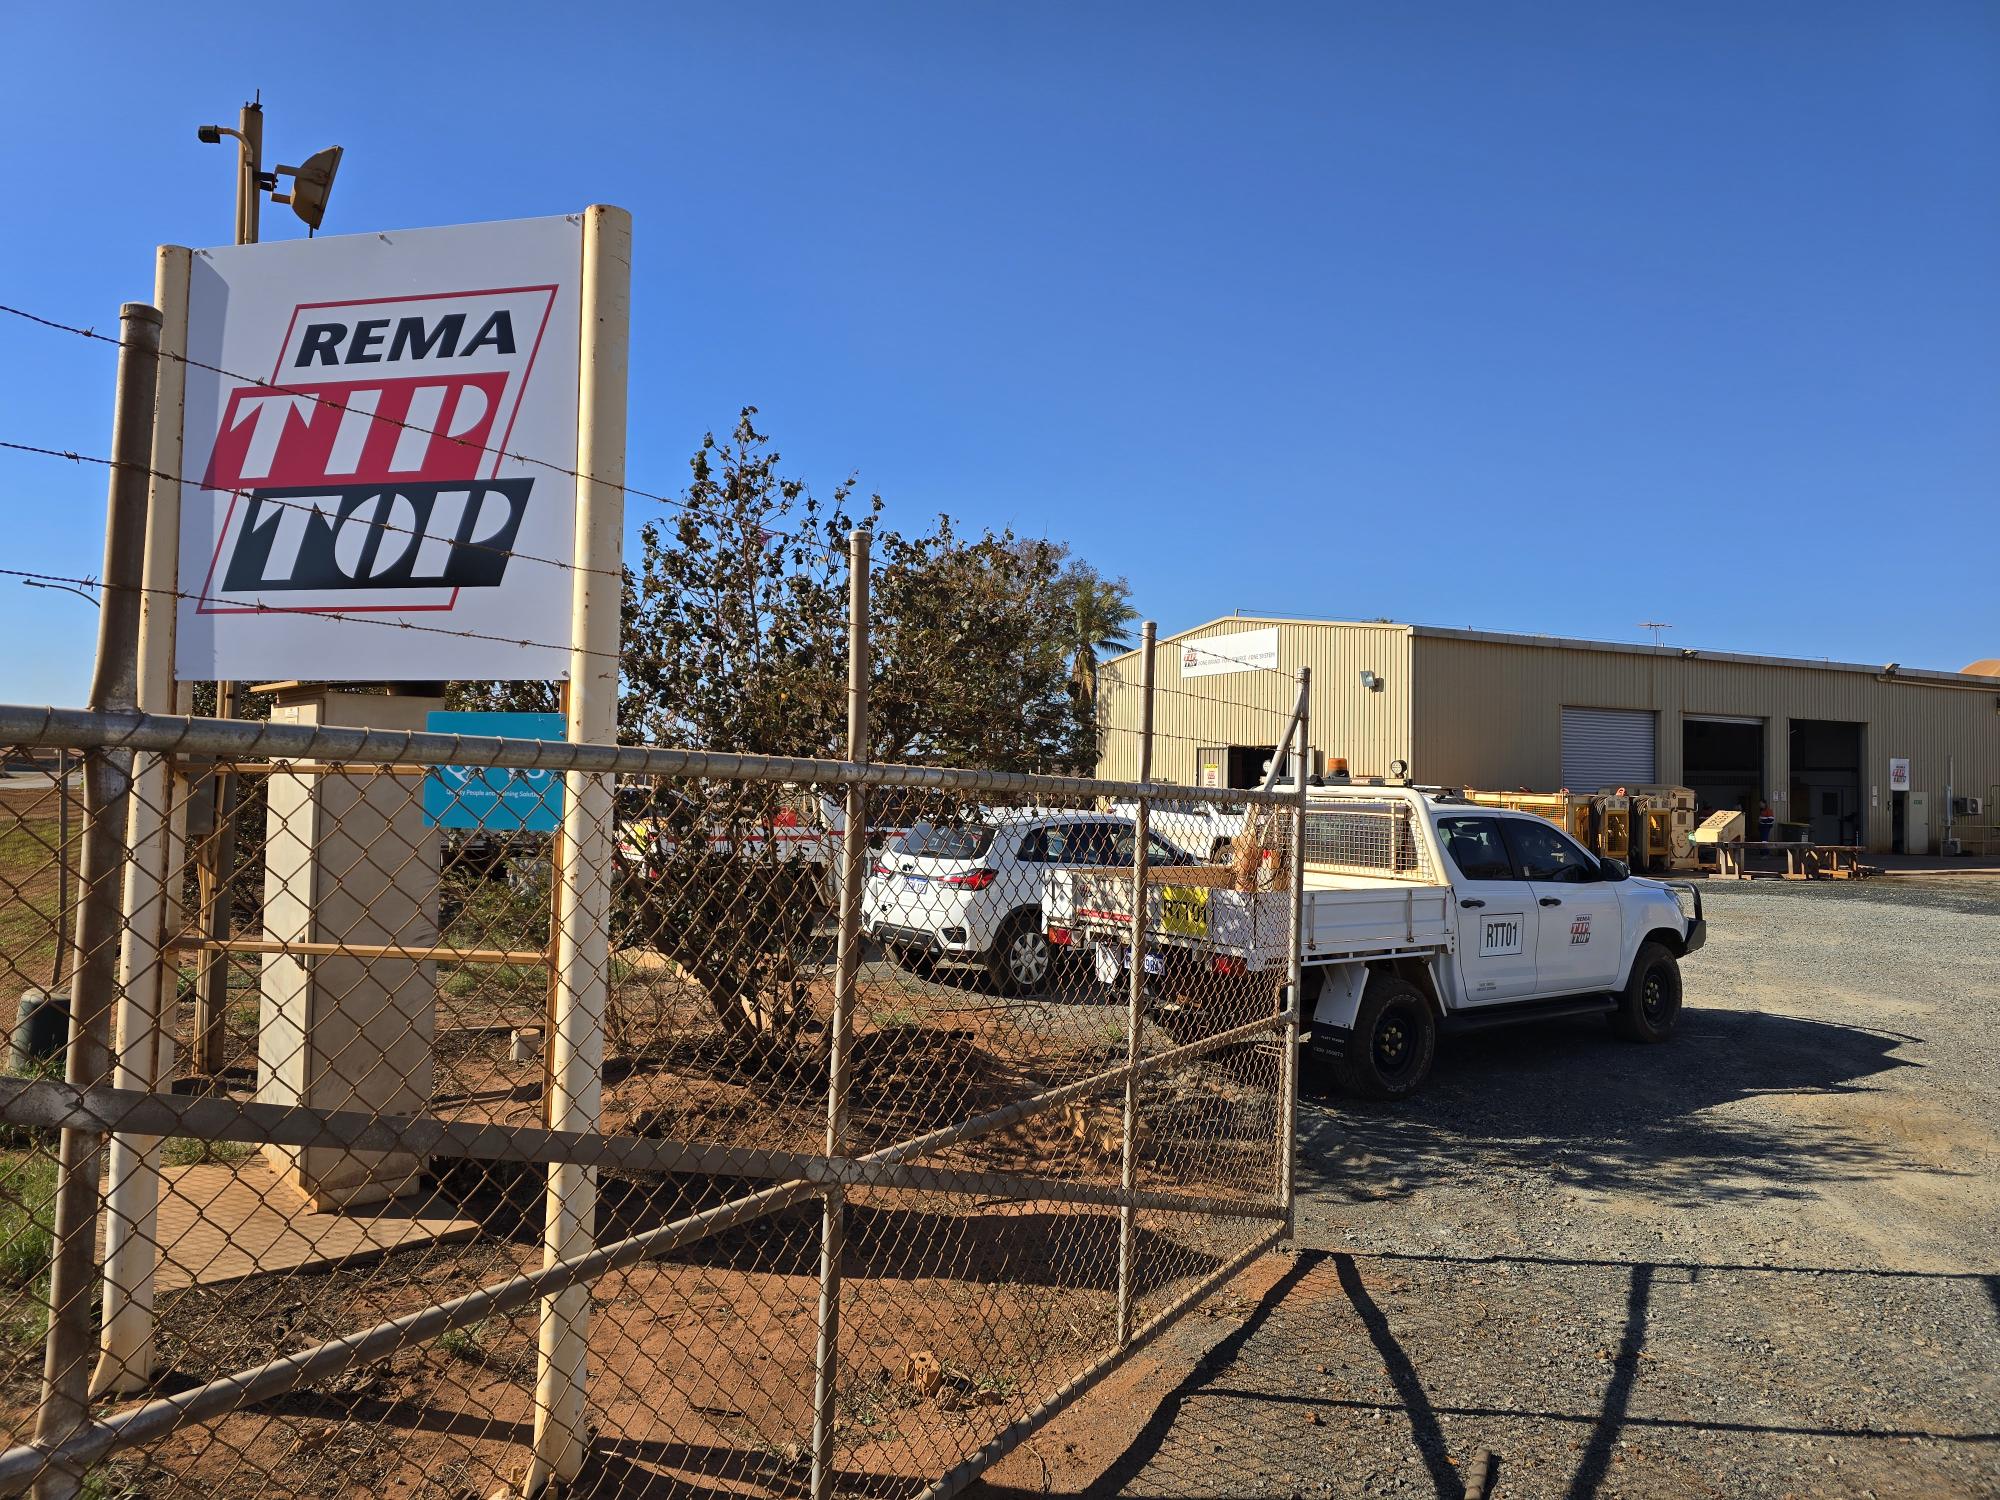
[(216, 857), (62, 817), (312, 182)]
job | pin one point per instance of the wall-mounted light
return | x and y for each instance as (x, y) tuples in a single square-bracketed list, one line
[(1371, 682)]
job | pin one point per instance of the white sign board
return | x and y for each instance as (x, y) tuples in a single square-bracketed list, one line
[(356, 471), (1245, 651), (1899, 774)]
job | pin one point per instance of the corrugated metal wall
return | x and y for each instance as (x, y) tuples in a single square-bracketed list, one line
[(1489, 713), (1370, 728)]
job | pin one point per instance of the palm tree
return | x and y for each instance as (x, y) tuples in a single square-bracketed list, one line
[(1102, 622)]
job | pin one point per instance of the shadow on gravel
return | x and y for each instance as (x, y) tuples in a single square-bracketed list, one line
[(1253, 1400), (1569, 1104)]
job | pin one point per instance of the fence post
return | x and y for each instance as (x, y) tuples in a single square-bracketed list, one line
[(145, 968), (1135, 994), (575, 1060), (65, 1400), (215, 869), (1288, 1060), (847, 966)]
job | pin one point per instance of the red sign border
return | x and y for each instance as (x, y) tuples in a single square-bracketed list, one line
[(202, 604)]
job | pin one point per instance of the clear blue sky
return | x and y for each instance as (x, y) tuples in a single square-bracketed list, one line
[(1551, 317)]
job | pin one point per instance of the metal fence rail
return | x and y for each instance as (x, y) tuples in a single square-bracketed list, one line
[(773, 1147)]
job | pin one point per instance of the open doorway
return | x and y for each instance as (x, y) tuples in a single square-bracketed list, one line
[(1825, 756), (1722, 762)]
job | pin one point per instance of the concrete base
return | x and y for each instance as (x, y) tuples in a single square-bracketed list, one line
[(348, 860), (220, 1223)]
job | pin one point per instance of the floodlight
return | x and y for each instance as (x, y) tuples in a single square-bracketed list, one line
[(208, 135), (311, 184)]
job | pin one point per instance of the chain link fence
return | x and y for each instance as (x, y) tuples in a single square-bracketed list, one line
[(682, 1123)]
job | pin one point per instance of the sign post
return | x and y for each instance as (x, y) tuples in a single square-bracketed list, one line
[(383, 435), (575, 1060)]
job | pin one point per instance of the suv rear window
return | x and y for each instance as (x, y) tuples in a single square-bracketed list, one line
[(948, 841)]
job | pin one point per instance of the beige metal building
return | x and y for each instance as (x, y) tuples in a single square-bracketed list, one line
[(1857, 754)]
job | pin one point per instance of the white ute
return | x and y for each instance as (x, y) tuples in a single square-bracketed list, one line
[(1422, 912)]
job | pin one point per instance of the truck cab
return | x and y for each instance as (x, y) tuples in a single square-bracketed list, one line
[(1539, 927), (1419, 912)]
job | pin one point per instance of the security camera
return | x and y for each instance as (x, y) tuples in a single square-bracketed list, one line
[(209, 135)]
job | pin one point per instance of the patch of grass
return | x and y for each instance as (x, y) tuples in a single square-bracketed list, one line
[(27, 1243), (498, 981), (28, 876), (109, 1483), (186, 1151), (465, 1343)]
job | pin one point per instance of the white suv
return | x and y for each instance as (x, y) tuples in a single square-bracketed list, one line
[(971, 893)]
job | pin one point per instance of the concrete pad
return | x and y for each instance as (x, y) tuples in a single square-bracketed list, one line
[(220, 1223)]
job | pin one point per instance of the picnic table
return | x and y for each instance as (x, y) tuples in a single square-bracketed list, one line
[(1803, 860)]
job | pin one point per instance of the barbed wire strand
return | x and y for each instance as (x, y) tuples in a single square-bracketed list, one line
[(254, 607), (265, 499), (672, 501)]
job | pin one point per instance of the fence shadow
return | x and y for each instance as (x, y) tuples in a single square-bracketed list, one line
[(1249, 1399), (1567, 1103)]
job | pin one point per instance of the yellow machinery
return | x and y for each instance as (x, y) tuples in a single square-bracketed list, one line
[(1663, 829), (1721, 827), (1569, 811), (1651, 828), (1614, 824)]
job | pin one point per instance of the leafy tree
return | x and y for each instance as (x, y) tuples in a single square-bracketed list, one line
[(735, 640)]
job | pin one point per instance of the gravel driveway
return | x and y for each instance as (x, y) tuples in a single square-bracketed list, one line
[(1761, 1260)]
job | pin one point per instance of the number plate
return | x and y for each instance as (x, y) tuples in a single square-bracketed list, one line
[(1113, 959)]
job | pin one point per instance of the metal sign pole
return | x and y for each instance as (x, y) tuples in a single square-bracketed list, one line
[(583, 939), (65, 1403), (847, 967), (146, 967), (1288, 1061)]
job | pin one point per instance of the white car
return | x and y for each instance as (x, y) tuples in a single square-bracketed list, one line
[(1205, 827), (971, 893)]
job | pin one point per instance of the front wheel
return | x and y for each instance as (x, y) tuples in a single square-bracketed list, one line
[(1389, 1052), (1651, 1004)]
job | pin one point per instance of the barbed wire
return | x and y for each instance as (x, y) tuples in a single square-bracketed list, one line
[(672, 501), (257, 607), (267, 499)]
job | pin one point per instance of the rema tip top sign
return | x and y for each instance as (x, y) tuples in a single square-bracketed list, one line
[(388, 448)]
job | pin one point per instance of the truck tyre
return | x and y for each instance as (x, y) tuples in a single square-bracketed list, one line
[(1651, 1003), (1022, 959), (1389, 1052)]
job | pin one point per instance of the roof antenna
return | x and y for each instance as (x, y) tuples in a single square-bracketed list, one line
[(1659, 629)]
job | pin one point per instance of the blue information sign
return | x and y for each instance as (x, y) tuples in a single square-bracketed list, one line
[(498, 799)]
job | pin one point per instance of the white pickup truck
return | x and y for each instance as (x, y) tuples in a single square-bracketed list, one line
[(1422, 913)]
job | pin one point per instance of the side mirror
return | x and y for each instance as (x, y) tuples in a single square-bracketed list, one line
[(1613, 869)]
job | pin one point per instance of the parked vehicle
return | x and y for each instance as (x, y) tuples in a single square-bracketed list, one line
[(1422, 912), (971, 892), (1202, 827), (801, 827)]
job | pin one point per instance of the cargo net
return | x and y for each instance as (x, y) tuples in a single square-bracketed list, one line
[(1374, 840), (771, 1248)]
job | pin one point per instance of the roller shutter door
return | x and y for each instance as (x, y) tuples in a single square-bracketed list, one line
[(1607, 747)]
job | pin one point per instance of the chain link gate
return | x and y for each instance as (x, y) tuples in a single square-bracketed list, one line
[(881, 1171)]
